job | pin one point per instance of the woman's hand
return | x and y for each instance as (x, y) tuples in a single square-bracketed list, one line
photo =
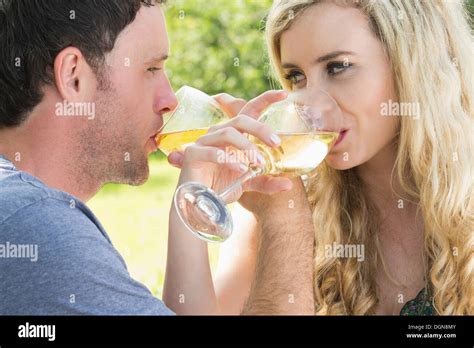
[(188, 274), (207, 162)]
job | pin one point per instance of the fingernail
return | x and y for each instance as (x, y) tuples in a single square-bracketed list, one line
[(260, 159), (243, 168), (226, 98), (275, 139)]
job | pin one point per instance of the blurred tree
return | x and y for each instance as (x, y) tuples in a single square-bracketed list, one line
[(470, 9), (218, 46)]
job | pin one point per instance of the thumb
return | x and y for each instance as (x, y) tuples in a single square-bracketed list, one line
[(254, 107), (230, 104), (176, 159)]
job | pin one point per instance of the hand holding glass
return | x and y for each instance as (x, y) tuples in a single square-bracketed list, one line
[(308, 123)]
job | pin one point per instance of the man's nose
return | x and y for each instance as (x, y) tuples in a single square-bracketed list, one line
[(165, 99)]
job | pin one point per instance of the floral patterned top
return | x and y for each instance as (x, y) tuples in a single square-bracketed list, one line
[(420, 305)]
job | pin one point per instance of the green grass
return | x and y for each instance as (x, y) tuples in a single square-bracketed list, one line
[(136, 219)]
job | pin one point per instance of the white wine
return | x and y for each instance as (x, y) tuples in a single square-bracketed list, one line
[(299, 121), (298, 153), (177, 141)]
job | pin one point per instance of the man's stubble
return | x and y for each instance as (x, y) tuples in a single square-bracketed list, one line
[(108, 150)]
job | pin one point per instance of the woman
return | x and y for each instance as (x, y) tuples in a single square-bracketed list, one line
[(400, 181)]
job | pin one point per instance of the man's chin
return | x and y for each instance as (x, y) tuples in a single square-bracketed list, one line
[(140, 177), (134, 174), (138, 181)]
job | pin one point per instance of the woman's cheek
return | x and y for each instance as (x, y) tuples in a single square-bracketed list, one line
[(379, 132)]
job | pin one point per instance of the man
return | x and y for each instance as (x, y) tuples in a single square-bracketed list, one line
[(83, 93)]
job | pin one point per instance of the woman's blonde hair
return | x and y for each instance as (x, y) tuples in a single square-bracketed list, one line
[(429, 46)]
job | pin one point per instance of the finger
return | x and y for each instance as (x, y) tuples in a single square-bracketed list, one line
[(246, 124), (255, 107), (176, 159), (230, 104), (230, 136), (209, 154)]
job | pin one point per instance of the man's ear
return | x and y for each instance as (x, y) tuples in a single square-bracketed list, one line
[(74, 77)]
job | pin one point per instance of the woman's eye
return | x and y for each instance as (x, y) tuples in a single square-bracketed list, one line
[(336, 68), (294, 77)]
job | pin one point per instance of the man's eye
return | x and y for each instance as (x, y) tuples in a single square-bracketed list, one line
[(294, 77), (336, 68), (153, 70)]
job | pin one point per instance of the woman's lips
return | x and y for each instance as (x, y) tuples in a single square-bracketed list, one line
[(341, 137)]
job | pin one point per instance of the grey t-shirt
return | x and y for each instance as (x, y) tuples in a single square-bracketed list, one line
[(56, 258)]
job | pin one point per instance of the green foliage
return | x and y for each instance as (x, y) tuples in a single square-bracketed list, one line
[(218, 46), (470, 9)]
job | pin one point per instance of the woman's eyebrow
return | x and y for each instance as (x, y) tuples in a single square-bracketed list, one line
[(333, 55), (321, 59)]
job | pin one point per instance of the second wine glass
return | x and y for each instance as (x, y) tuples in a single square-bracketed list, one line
[(308, 123)]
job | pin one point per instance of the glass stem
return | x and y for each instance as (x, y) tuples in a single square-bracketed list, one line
[(250, 174)]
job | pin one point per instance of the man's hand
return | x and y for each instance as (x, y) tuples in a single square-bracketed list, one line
[(284, 264)]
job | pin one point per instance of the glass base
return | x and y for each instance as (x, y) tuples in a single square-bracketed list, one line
[(203, 212)]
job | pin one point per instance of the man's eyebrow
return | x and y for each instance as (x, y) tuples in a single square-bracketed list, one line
[(321, 59), (158, 58)]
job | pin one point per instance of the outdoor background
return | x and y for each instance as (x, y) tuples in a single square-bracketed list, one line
[(216, 46)]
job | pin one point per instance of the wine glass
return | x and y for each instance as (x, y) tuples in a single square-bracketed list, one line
[(195, 113), (308, 123)]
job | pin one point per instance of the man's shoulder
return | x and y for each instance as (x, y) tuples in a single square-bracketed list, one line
[(30, 208), (20, 190), (53, 248)]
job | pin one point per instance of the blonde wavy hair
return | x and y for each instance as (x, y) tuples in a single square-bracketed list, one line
[(430, 52)]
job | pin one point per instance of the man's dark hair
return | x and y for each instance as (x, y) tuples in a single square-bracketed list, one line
[(33, 32)]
